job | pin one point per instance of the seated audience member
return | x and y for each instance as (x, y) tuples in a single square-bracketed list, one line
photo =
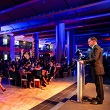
[(17, 68), (50, 72), (1, 75), (28, 72), (12, 71), (45, 66), (42, 77), (64, 66), (72, 66), (1, 86)]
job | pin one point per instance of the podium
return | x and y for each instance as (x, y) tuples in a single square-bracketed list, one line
[(80, 81)]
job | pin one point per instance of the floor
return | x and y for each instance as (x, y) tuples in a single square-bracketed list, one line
[(90, 92), (58, 95), (17, 98)]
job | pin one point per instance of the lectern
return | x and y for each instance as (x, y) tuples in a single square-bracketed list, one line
[(80, 81)]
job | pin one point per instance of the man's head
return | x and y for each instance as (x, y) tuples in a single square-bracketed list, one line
[(92, 41)]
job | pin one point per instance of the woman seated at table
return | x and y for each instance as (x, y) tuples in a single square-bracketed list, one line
[(28, 72), (1, 75), (43, 75)]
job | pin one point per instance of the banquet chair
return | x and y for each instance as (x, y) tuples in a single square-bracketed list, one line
[(37, 76), (23, 76), (10, 78)]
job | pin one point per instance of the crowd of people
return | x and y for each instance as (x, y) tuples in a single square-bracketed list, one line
[(29, 67)]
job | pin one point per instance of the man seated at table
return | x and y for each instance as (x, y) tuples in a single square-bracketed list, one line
[(50, 72)]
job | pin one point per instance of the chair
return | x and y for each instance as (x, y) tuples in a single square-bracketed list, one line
[(55, 73), (10, 78), (23, 80), (38, 82), (51, 74), (37, 76), (65, 74)]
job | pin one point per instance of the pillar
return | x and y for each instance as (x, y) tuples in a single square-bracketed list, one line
[(12, 51), (36, 45), (53, 48), (71, 45), (60, 41)]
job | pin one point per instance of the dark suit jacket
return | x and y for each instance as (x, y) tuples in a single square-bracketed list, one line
[(96, 61), (51, 71)]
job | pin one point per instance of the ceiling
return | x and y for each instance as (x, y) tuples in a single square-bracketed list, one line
[(87, 17)]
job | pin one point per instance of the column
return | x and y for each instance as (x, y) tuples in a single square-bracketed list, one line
[(30, 53), (22, 51), (60, 41), (12, 51), (53, 48), (36, 45), (71, 45)]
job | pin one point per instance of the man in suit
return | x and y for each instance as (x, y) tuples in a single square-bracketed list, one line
[(51, 71), (97, 69)]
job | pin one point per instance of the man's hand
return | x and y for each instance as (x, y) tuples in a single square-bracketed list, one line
[(81, 61)]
